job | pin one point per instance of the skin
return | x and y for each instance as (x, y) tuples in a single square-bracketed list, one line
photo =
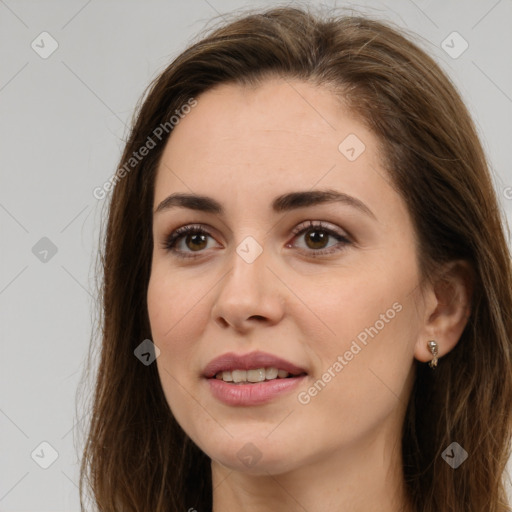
[(340, 451)]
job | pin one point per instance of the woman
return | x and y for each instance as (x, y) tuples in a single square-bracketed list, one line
[(307, 298)]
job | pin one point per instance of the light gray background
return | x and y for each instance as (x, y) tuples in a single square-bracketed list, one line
[(62, 123)]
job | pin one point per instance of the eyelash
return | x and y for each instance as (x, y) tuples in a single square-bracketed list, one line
[(171, 240)]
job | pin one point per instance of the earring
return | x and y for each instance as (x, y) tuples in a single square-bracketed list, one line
[(433, 347)]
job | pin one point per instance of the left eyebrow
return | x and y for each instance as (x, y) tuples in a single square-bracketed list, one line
[(282, 203)]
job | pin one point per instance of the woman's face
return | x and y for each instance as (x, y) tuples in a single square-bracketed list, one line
[(339, 300)]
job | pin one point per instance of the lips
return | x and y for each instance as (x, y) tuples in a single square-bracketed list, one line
[(247, 393), (252, 361)]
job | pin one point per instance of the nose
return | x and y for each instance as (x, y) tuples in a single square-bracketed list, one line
[(249, 294)]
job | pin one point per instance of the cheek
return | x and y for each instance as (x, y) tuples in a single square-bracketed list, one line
[(174, 302), (361, 387), (346, 304), (365, 343), (177, 316)]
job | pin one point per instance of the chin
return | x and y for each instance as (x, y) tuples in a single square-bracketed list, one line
[(262, 467), (252, 453)]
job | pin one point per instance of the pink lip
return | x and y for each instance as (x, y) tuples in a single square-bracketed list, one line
[(231, 361), (252, 394)]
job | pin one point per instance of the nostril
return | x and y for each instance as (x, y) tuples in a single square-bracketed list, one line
[(257, 317)]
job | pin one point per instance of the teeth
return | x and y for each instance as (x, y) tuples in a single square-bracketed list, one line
[(239, 376), (255, 375), (271, 373), (227, 376)]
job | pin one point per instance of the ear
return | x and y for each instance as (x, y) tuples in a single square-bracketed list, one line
[(447, 309)]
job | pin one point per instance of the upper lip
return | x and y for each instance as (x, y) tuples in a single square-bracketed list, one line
[(231, 361)]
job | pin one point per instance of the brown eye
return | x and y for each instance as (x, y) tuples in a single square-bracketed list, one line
[(197, 241), (316, 238), (187, 240)]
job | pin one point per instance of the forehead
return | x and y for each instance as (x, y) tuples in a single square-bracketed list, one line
[(268, 139)]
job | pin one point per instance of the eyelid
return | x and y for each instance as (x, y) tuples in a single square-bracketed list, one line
[(320, 224)]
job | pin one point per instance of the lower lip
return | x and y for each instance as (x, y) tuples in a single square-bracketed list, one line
[(252, 394)]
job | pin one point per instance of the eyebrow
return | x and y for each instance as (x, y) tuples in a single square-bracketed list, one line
[(282, 203)]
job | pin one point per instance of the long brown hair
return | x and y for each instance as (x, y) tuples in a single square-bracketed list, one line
[(136, 457)]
